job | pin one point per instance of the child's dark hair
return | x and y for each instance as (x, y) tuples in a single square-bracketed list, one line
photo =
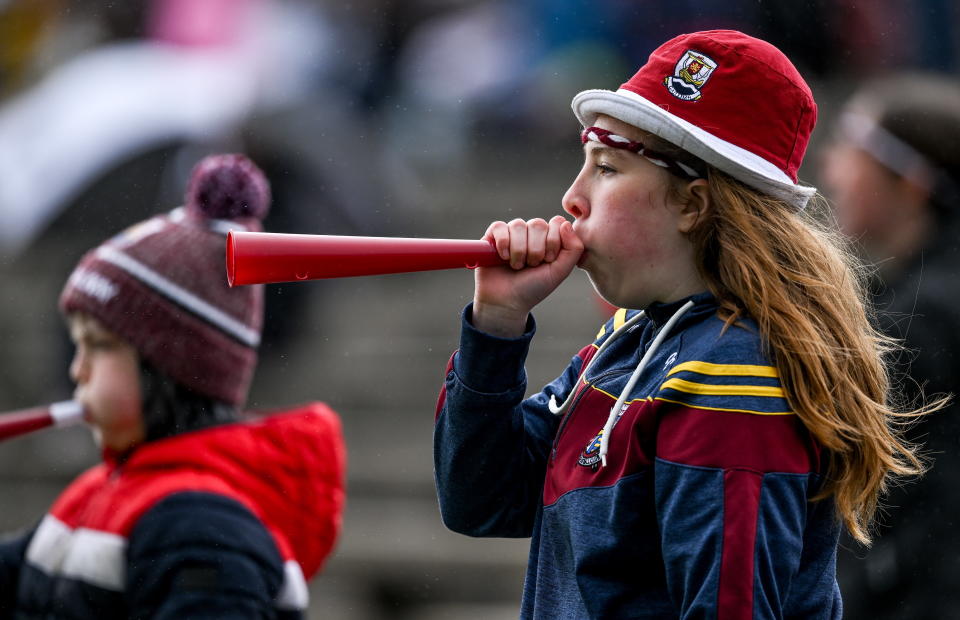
[(170, 408)]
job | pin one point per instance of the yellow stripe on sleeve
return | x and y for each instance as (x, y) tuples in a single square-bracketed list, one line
[(735, 370), (705, 389)]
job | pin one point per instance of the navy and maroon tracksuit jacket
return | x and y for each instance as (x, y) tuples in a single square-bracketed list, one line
[(703, 509)]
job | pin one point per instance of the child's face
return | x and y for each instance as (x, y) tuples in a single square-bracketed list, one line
[(107, 372), (635, 251)]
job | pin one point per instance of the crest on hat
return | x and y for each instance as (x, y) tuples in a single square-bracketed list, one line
[(691, 72)]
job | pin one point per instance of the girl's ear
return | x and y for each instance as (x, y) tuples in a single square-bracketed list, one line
[(698, 204)]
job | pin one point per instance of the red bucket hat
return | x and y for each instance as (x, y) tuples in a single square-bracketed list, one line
[(734, 101)]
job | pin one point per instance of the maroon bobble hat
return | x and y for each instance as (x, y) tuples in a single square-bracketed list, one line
[(734, 101), (161, 284)]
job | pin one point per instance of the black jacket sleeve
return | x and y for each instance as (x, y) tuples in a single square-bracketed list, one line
[(201, 555), (12, 550)]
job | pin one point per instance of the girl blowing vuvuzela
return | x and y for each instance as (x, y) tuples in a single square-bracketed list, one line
[(700, 457)]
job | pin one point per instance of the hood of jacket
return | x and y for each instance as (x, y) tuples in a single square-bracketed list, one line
[(288, 468)]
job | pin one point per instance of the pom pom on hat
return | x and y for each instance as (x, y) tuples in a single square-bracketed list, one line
[(227, 186)]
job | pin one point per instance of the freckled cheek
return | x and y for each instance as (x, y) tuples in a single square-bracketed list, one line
[(637, 240)]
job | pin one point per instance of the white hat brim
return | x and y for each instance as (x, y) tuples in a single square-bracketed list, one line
[(738, 162)]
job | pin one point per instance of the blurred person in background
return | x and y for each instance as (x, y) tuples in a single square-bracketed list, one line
[(197, 511), (117, 82), (893, 175)]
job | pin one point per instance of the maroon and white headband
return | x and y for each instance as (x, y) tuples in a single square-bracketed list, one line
[(596, 134)]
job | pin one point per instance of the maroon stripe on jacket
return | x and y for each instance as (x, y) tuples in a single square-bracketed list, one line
[(735, 440), (741, 501)]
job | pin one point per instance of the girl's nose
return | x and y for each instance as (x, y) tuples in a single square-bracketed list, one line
[(575, 202)]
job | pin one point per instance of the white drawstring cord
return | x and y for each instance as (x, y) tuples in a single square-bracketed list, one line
[(612, 418), (560, 409)]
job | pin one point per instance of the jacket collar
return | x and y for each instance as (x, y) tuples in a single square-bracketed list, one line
[(704, 303)]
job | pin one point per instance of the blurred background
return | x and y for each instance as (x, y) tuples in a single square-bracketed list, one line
[(421, 118)]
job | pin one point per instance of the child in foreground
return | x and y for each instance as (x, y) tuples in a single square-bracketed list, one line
[(700, 457), (193, 513)]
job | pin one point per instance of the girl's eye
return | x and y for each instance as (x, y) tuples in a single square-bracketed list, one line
[(605, 169)]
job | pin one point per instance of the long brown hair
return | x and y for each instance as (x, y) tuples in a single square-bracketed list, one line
[(795, 276)]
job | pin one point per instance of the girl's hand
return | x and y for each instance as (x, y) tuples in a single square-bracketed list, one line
[(542, 254)]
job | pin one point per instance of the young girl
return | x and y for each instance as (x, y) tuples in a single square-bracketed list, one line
[(192, 514), (700, 457)]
